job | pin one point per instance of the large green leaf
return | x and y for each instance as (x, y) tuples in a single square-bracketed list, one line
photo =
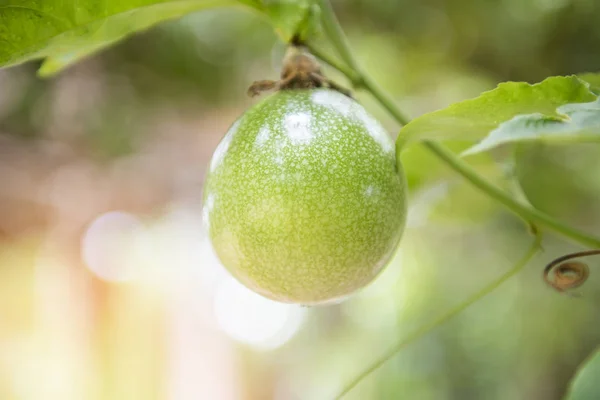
[(586, 385), (63, 32), (474, 119), (576, 122)]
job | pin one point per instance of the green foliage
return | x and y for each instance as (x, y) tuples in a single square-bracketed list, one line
[(577, 121), (561, 180), (290, 17), (63, 33), (585, 385), (593, 80), (499, 114)]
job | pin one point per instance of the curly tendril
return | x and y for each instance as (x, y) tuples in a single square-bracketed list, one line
[(568, 274)]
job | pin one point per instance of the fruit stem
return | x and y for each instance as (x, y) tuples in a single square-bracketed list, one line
[(360, 79)]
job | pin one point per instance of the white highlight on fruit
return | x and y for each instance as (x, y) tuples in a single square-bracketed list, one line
[(250, 318), (263, 136), (337, 101), (351, 109), (372, 191), (221, 149), (297, 127), (376, 131), (208, 206)]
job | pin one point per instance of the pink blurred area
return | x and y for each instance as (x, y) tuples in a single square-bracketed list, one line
[(108, 286)]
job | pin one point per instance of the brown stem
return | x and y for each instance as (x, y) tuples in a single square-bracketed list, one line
[(300, 70)]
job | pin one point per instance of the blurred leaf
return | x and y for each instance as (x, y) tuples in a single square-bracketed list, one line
[(421, 167), (593, 79), (64, 32), (586, 385), (561, 180), (31, 112), (292, 17), (463, 204), (475, 118), (577, 122)]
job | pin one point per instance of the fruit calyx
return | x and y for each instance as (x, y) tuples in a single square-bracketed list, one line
[(300, 71)]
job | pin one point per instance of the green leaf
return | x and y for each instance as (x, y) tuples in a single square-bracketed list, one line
[(475, 118), (586, 385), (63, 32), (291, 17), (577, 122), (561, 180)]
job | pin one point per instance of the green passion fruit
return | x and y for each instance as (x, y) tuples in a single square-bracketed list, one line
[(304, 202)]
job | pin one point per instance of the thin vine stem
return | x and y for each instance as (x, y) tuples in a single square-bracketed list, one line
[(528, 213), (334, 31), (536, 245), (337, 65), (362, 80)]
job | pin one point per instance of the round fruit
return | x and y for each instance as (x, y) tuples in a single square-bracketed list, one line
[(304, 201), (562, 180)]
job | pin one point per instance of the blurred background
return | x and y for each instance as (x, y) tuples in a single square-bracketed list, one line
[(110, 290)]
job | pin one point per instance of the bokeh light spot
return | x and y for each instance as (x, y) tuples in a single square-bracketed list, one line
[(106, 246), (254, 320)]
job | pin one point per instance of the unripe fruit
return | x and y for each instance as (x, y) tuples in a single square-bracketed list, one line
[(304, 201)]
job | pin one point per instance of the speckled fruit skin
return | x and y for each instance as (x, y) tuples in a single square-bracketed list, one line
[(304, 201)]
